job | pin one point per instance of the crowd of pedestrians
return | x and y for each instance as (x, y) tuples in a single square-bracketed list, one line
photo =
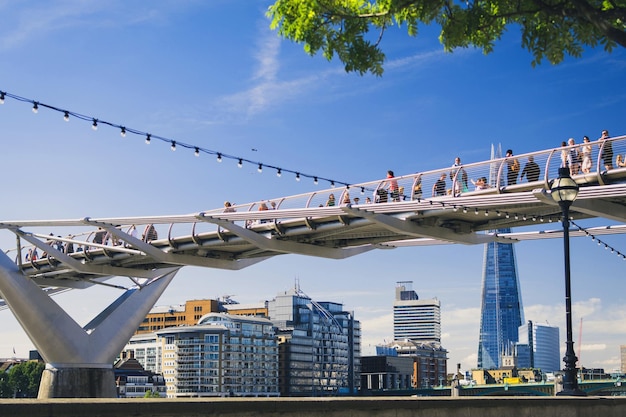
[(100, 237), (578, 158)]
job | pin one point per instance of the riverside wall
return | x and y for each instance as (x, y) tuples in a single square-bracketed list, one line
[(326, 407)]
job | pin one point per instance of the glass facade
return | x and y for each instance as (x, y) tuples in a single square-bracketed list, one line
[(501, 307), (319, 346), (544, 340)]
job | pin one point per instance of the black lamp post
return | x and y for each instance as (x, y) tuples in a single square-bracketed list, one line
[(564, 191)]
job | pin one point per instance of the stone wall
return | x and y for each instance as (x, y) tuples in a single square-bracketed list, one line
[(326, 407)]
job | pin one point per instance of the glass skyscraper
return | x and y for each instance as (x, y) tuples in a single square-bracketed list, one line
[(501, 309), (543, 342)]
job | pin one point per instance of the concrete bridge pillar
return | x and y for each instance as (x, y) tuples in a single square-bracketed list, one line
[(79, 360), (70, 382)]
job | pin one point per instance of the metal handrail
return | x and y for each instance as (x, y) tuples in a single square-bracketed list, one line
[(305, 203)]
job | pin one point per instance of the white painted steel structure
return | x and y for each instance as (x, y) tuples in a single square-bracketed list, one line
[(235, 240), (405, 212)]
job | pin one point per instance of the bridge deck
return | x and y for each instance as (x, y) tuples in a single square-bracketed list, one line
[(305, 224)]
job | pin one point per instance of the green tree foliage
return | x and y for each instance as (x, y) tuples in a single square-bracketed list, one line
[(151, 394), (353, 29), (22, 380), (5, 389)]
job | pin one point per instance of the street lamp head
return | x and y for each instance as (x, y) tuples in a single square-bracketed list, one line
[(564, 189)]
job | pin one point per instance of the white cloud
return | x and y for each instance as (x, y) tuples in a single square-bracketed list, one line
[(375, 331), (415, 60), (590, 347), (267, 57), (267, 90), (460, 317)]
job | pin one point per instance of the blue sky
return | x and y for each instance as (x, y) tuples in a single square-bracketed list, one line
[(212, 74)]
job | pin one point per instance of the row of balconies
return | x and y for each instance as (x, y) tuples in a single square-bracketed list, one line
[(248, 357), (187, 342), (249, 365), (186, 360), (262, 373), (189, 366)]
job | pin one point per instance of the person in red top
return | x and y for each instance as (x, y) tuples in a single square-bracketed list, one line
[(393, 186)]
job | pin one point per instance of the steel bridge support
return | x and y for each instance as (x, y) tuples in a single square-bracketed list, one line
[(79, 360)]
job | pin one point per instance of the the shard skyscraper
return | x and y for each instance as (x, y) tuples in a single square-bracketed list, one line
[(501, 302)]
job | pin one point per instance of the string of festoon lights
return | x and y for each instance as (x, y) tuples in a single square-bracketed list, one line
[(534, 217), (220, 156), (174, 144), (600, 242)]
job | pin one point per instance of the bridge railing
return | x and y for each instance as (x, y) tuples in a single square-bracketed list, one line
[(459, 181)]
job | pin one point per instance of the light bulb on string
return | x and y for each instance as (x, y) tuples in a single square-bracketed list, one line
[(279, 173), (260, 168), (67, 114), (196, 152)]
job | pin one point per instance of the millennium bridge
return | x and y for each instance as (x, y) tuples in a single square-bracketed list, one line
[(477, 203)]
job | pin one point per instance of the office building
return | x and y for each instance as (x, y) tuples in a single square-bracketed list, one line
[(429, 365), (147, 349), (501, 304), (523, 355), (319, 345), (501, 301), (188, 314), (387, 373), (415, 319), (223, 355), (543, 346), (622, 351)]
